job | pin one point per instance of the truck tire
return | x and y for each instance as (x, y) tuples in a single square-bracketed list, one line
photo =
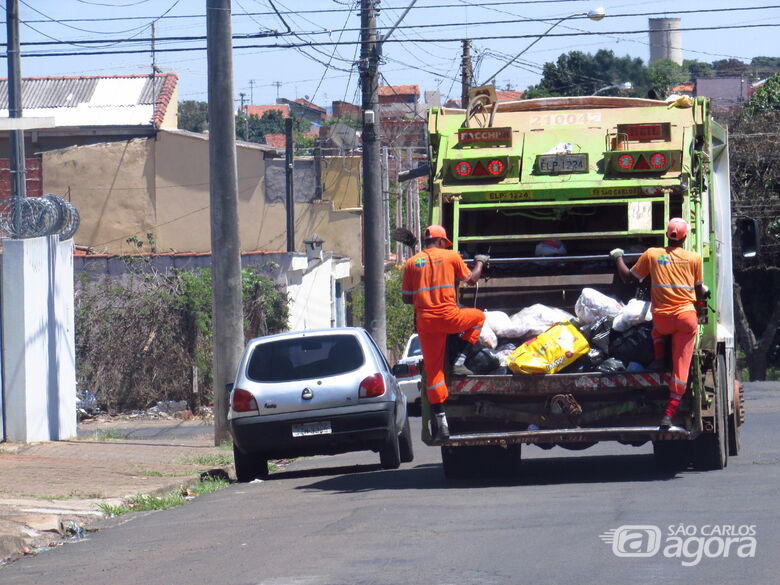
[(249, 466), (390, 453), (671, 456), (405, 443), (711, 450), (735, 422)]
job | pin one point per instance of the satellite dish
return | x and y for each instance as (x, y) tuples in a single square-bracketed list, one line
[(344, 136)]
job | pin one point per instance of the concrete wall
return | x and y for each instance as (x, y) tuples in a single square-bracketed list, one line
[(39, 374), (160, 186)]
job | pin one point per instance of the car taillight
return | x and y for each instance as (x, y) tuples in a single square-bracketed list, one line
[(243, 400), (411, 370), (463, 168), (372, 386)]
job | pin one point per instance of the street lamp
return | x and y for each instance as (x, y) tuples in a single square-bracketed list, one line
[(595, 14), (624, 85)]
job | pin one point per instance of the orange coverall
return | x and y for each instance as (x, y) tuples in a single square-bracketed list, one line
[(429, 277), (674, 274)]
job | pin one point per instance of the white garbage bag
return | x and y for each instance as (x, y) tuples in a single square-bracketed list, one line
[(593, 305), (550, 248), (487, 336), (535, 320), (634, 313), (498, 321)]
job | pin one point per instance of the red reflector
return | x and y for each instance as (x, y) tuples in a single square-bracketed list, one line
[(625, 161), (495, 167), (243, 400), (463, 168), (641, 164), (657, 160), (372, 386), (479, 170)]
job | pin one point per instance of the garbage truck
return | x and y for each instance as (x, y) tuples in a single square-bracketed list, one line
[(584, 175)]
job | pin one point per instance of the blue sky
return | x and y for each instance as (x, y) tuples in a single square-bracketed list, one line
[(428, 54)]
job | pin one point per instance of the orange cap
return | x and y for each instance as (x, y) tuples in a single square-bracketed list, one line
[(437, 231), (677, 228)]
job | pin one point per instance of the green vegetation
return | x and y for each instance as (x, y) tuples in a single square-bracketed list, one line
[(106, 435), (211, 460), (143, 503)]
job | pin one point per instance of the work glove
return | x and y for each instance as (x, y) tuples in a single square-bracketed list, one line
[(482, 258), (616, 253), (705, 291)]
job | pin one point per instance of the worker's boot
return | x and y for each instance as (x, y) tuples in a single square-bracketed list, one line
[(666, 423), (459, 367), (440, 430)]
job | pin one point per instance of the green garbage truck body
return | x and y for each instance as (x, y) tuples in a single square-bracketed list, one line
[(586, 175)]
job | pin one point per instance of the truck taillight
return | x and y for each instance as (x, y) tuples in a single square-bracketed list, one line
[(463, 168), (480, 168), (243, 400), (372, 386), (495, 167), (648, 161)]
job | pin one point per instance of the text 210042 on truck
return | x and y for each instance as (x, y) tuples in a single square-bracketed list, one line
[(594, 173)]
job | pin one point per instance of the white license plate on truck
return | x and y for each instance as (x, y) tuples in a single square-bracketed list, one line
[(312, 428), (551, 164)]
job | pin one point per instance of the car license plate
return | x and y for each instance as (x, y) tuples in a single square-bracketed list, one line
[(312, 428), (551, 164)]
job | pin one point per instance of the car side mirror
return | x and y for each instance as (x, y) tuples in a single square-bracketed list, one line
[(748, 234), (401, 370)]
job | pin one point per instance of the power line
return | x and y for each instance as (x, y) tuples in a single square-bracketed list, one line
[(348, 43)]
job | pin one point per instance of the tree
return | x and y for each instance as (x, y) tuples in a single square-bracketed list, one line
[(253, 128), (577, 73), (766, 98), (193, 115), (730, 67), (664, 74), (697, 69)]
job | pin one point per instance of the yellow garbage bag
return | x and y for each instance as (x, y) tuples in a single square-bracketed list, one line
[(549, 352)]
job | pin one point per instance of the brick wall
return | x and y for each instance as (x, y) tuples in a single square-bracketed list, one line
[(33, 175)]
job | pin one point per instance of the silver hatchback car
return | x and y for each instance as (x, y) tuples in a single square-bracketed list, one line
[(317, 392)]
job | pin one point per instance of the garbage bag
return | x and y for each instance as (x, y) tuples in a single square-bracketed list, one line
[(549, 352), (500, 371), (483, 361), (535, 320), (611, 366), (633, 345), (499, 321), (487, 336), (592, 305), (634, 313), (598, 332)]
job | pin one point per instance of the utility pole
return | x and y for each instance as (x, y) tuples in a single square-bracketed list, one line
[(289, 187), (225, 247), (277, 84), (373, 222), (18, 181), (466, 75), (251, 92), (242, 95)]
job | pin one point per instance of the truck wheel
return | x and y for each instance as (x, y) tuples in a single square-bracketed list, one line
[(711, 450), (735, 422), (390, 453), (249, 466), (671, 456), (405, 443)]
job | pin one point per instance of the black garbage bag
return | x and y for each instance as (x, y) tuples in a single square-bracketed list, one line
[(611, 365), (501, 371), (633, 345), (598, 333), (483, 361)]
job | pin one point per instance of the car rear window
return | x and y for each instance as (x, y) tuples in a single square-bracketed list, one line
[(414, 347), (305, 357)]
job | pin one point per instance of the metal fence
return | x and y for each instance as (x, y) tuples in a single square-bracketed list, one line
[(32, 217)]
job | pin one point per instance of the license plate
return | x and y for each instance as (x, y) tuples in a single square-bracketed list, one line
[(551, 164), (312, 428)]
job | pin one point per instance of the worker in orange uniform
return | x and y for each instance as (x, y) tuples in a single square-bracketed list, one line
[(676, 284), (429, 284)]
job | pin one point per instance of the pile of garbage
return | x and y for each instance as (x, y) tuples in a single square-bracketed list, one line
[(604, 335)]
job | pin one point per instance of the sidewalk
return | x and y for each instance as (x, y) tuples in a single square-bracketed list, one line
[(49, 490)]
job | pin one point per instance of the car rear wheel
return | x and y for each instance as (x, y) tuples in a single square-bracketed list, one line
[(249, 466), (390, 453), (405, 443)]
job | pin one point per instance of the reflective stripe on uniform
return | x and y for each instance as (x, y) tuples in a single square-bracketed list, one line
[(414, 292), (434, 386), (679, 286)]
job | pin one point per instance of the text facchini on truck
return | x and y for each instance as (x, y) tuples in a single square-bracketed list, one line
[(594, 173)]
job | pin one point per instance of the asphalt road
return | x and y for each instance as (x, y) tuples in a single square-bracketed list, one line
[(344, 521)]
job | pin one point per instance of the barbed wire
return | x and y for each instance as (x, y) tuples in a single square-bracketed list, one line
[(33, 217)]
